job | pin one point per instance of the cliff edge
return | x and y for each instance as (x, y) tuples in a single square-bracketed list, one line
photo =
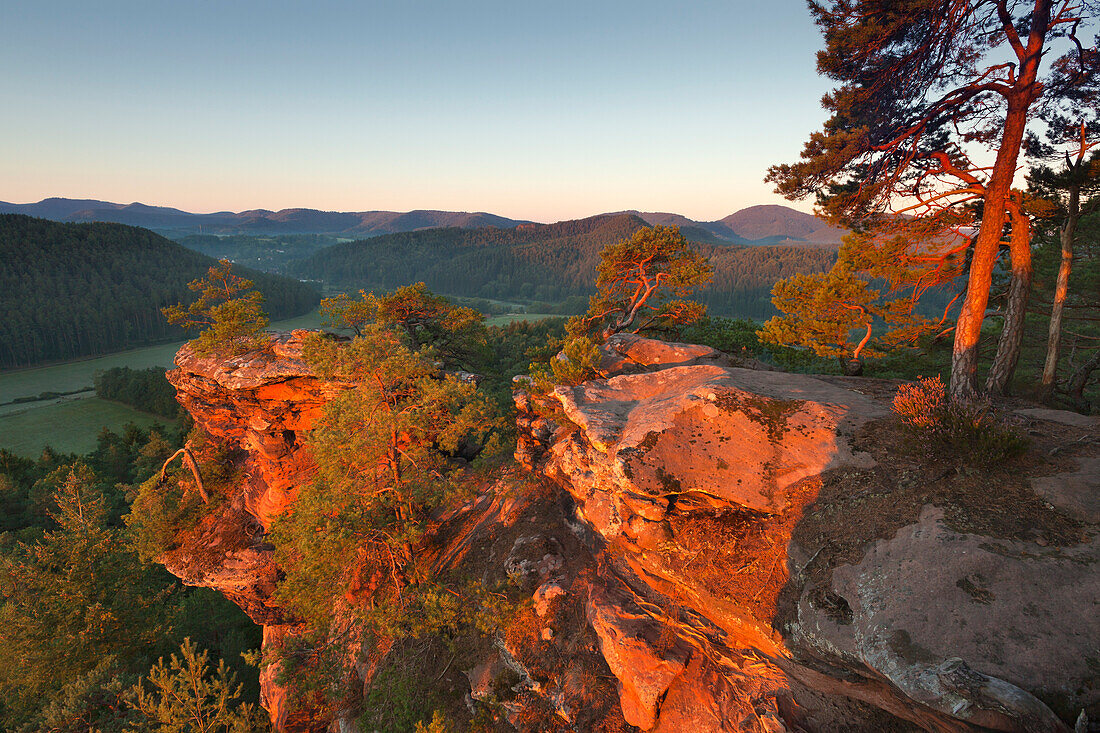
[(705, 547)]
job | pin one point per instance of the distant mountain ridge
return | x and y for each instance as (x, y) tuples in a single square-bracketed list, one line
[(756, 225), (548, 263), (255, 221)]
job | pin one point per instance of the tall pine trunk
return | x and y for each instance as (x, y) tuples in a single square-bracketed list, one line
[(1054, 334), (964, 355), (1008, 346)]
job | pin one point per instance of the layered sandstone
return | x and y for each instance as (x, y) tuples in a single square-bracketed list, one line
[(933, 626), (697, 554)]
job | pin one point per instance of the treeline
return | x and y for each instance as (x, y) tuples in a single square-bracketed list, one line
[(71, 290), (543, 263), (744, 276), (142, 389)]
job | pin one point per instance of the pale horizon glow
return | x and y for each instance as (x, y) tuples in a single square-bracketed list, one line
[(530, 112)]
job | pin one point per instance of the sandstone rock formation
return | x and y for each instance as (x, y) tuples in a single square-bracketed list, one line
[(718, 548), (943, 629)]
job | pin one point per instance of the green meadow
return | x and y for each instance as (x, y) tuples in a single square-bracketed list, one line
[(511, 317), (70, 424)]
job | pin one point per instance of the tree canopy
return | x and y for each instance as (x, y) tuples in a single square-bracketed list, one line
[(228, 309), (926, 89), (456, 333), (642, 282), (388, 450)]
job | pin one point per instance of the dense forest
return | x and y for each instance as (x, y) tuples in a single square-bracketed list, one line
[(70, 290), (267, 253), (142, 389), (82, 616), (546, 263)]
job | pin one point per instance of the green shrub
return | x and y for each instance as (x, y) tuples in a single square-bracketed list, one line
[(577, 362), (972, 431), (396, 702), (228, 309), (732, 335), (168, 505)]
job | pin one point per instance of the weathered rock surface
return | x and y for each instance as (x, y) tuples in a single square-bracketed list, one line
[(944, 630), (701, 436), (626, 353), (932, 609), (675, 455), (1064, 417), (1077, 492), (262, 401)]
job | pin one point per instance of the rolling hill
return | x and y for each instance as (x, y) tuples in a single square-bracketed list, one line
[(546, 263), (756, 225), (71, 290), (256, 221)]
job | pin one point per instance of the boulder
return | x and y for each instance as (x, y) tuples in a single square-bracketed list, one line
[(626, 353)]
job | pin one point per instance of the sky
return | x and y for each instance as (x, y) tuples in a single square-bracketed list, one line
[(532, 110)]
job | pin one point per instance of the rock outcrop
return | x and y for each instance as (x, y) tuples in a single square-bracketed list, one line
[(712, 548), (941, 629)]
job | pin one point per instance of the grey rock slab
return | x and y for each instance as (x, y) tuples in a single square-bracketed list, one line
[(1076, 492), (932, 609), (1065, 417)]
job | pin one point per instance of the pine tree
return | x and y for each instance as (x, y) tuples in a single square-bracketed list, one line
[(641, 285), (388, 450), (186, 695), (71, 599), (922, 85), (228, 309)]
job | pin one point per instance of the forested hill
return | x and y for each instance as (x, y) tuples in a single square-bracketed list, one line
[(70, 290), (546, 263)]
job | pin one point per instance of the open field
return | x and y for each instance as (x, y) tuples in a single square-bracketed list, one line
[(78, 374), (509, 318), (69, 426), (71, 423)]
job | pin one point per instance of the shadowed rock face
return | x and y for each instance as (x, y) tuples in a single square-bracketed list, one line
[(675, 456), (931, 607)]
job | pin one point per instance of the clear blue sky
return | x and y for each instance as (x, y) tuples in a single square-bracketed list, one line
[(546, 110)]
